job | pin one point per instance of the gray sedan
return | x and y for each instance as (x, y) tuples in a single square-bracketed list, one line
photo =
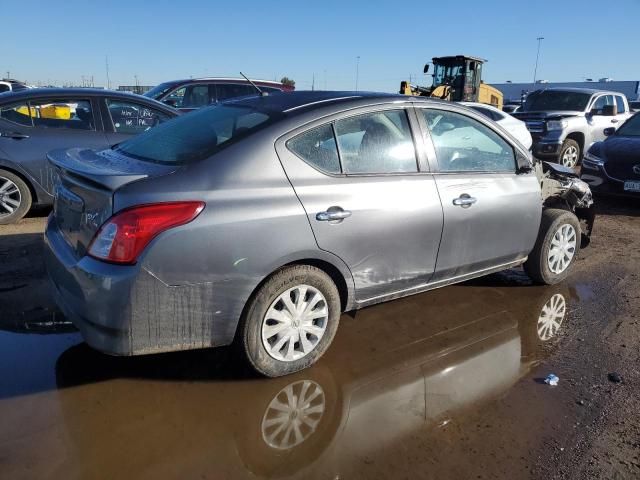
[(260, 220)]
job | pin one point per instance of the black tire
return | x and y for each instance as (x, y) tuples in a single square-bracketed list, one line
[(537, 265), (570, 145), (23, 196), (250, 334)]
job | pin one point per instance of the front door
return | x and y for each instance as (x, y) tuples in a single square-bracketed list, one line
[(31, 129), (366, 200), (491, 213)]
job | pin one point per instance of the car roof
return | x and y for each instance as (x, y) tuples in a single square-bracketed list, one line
[(307, 100), (222, 79), (85, 92), (590, 91)]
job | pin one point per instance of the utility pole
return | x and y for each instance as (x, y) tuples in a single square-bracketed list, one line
[(313, 82), (357, 70), (106, 64), (535, 70), (137, 88)]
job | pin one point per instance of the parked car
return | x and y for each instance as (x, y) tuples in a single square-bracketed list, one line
[(262, 219), (613, 166), (34, 121), (565, 122), (515, 127), (634, 106), (9, 85), (193, 93)]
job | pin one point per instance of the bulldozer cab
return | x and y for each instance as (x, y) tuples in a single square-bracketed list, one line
[(461, 74)]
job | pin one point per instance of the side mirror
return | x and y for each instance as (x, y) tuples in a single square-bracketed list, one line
[(523, 163), (609, 131), (609, 111), (426, 68)]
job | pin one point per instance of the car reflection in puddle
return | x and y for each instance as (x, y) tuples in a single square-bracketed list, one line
[(395, 371)]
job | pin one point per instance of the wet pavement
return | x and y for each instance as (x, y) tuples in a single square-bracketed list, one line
[(445, 384)]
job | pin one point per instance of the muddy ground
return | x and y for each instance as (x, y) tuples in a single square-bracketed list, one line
[(446, 384)]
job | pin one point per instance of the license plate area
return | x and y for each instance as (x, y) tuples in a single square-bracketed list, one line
[(632, 186)]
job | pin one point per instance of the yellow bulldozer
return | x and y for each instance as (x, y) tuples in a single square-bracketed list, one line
[(456, 78)]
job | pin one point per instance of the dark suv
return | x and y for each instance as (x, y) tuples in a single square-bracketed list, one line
[(191, 94)]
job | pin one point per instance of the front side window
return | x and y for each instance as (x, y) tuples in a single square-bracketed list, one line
[(17, 113), (376, 143), (133, 118), (4, 88), (189, 96), (600, 103), (465, 145), (194, 137), (62, 113), (620, 104), (318, 148)]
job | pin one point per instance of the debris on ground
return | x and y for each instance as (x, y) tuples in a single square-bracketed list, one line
[(552, 379)]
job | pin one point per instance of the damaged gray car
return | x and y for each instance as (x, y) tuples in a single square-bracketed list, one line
[(258, 221)]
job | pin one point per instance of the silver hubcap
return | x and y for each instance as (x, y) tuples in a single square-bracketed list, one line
[(293, 415), (570, 157), (294, 323), (9, 197), (563, 248), (551, 317)]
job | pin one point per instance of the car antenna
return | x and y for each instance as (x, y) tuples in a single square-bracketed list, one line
[(262, 94)]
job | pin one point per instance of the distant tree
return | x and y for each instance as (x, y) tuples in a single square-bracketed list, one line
[(288, 82)]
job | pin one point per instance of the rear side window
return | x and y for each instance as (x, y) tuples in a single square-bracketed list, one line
[(378, 142), (620, 104), (4, 88), (133, 118), (17, 113), (233, 90), (194, 137), (465, 145), (318, 148), (62, 113)]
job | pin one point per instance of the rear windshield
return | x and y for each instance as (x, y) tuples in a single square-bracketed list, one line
[(160, 90), (556, 100), (630, 128), (197, 135)]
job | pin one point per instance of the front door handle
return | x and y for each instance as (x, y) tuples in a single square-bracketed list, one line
[(464, 201), (333, 214), (14, 135)]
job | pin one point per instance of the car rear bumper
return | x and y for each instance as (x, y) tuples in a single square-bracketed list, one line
[(126, 310)]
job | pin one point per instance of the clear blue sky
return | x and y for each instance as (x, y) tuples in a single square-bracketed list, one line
[(59, 41)]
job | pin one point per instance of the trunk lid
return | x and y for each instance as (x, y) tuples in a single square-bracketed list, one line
[(84, 184)]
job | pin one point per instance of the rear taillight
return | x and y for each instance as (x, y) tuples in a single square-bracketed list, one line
[(124, 236)]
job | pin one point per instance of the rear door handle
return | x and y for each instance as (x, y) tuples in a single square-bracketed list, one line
[(464, 201), (333, 214), (14, 135), (614, 120)]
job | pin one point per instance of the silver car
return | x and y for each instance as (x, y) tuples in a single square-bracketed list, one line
[(260, 220)]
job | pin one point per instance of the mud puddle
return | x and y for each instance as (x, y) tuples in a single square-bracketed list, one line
[(444, 382)]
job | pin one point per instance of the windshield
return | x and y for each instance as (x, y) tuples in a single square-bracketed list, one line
[(446, 74), (631, 128), (159, 91), (194, 137), (556, 100)]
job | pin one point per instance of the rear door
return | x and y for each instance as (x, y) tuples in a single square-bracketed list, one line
[(125, 118), (368, 202), (491, 213), (30, 129)]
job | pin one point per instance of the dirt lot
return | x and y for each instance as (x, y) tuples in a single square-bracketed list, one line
[(447, 384)]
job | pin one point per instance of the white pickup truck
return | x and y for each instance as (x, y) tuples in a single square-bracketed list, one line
[(565, 122)]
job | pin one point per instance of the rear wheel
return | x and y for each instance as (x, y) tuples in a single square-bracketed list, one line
[(15, 198), (291, 321), (556, 248), (570, 153)]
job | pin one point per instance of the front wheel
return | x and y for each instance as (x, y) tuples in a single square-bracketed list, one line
[(556, 247), (291, 321), (570, 153)]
